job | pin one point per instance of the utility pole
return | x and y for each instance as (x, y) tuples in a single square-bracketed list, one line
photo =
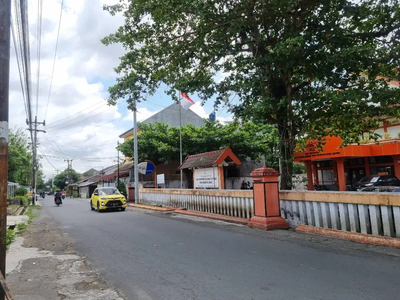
[(135, 153), (5, 19), (34, 149), (69, 170), (117, 166)]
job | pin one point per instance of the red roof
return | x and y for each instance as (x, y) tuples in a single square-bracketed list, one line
[(209, 159)]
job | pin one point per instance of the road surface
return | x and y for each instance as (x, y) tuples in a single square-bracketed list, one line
[(162, 256)]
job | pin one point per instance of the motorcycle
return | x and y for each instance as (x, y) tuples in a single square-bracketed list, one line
[(63, 196), (57, 201)]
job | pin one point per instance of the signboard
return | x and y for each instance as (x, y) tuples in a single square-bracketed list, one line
[(206, 178), (160, 179), (146, 168)]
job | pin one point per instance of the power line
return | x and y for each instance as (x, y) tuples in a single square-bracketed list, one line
[(40, 149), (38, 49), (57, 124), (55, 57)]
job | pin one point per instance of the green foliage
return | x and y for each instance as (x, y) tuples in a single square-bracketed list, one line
[(160, 142), (30, 214), (299, 168), (21, 191), (10, 236), (24, 200), (284, 60), (61, 179), (21, 227), (122, 188), (19, 158)]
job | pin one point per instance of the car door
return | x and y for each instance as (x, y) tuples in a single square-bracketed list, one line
[(95, 197)]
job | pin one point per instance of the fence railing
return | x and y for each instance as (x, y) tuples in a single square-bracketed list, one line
[(235, 203), (370, 213)]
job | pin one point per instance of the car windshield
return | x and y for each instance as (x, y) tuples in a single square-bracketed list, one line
[(109, 191), (369, 179)]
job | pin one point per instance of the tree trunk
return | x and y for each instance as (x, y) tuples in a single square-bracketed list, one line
[(286, 148)]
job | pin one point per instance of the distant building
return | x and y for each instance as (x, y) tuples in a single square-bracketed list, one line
[(170, 115)]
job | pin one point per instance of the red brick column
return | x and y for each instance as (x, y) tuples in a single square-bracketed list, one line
[(266, 200)]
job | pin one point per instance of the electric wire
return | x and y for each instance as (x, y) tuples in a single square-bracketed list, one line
[(55, 57)]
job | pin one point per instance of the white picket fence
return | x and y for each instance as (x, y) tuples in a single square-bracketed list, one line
[(370, 213), (235, 203)]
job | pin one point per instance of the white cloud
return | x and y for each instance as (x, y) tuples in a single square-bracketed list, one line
[(79, 122)]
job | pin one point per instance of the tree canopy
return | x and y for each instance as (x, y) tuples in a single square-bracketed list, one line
[(19, 158), (160, 142), (60, 180), (310, 68)]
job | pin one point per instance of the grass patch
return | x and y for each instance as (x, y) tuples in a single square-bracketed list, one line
[(21, 227), (30, 214), (10, 236)]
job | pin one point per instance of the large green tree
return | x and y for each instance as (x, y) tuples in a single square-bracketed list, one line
[(285, 60), (160, 142), (19, 158), (60, 180)]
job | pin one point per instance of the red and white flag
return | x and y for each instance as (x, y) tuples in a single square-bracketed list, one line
[(186, 102)]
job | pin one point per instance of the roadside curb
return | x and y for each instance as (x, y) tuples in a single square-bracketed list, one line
[(351, 236), (151, 207), (212, 216)]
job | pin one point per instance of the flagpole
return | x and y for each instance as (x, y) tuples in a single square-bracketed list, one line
[(180, 135)]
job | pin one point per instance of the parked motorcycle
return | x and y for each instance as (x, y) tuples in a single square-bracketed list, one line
[(58, 201)]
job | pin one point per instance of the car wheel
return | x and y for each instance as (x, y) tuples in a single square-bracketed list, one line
[(98, 207), (91, 205), (123, 209)]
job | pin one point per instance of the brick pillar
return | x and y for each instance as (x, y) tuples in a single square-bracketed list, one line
[(340, 174), (267, 212)]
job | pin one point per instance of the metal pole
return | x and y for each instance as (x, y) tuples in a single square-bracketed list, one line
[(5, 19), (118, 167), (180, 138), (135, 153)]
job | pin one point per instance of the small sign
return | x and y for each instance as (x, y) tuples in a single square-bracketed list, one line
[(146, 167), (206, 178), (160, 179), (212, 117)]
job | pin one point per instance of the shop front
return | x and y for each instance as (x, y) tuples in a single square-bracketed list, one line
[(338, 168)]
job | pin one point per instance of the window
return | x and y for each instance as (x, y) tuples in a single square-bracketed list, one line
[(384, 170), (380, 160), (325, 164), (354, 162), (109, 191)]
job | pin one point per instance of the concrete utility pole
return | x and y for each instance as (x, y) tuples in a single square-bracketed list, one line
[(34, 149), (69, 170), (135, 153), (5, 19)]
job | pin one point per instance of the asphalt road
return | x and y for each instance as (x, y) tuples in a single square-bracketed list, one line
[(158, 256)]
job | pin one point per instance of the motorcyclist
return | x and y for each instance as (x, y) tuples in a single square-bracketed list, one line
[(57, 195)]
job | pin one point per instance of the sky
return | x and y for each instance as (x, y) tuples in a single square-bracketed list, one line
[(79, 123)]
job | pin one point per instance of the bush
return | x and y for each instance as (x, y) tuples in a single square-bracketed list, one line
[(10, 236), (122, 188), (21, 226), (299, 168), (24, 200), (21, 191)]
